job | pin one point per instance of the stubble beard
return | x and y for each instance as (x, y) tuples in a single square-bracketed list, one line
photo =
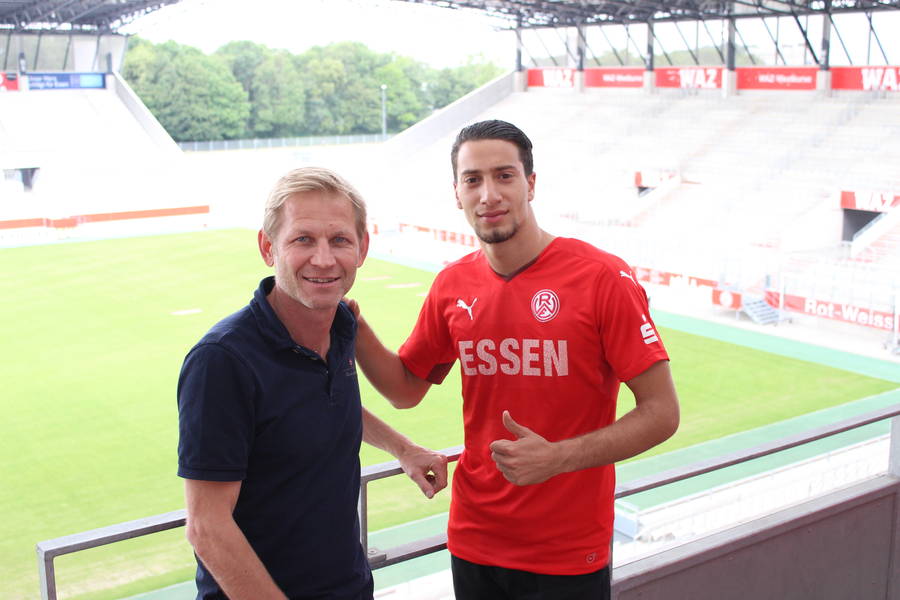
[(497, 236), (308, 296)]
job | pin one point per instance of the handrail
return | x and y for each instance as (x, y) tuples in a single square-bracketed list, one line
[(374, 473), (721, 462), (48, 550)]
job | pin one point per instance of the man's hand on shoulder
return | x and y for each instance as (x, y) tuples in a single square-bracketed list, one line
[(528, 459), (353, 305)]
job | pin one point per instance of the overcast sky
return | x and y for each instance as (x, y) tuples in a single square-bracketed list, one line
[(440, 37), (445, 37)]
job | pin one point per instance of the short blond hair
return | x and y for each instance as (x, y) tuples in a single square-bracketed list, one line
[(311, 179)]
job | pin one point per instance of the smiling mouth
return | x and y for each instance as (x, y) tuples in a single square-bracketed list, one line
[(321, 279)]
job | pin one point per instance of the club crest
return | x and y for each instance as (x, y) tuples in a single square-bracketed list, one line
[(545, 305)]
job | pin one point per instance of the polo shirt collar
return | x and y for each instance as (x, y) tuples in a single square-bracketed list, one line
[(274, 331)]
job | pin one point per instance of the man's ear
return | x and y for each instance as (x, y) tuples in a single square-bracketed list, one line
[(363, 249), (531, 179), (265, 248)]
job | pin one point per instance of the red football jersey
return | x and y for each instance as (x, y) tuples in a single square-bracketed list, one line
[(550, 345)]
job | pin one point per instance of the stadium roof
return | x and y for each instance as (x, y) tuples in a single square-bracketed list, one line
[(108, 15), (73, 15), (568, 13)]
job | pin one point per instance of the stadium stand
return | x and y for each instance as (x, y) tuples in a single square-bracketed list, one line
[(746, 213), (59, 124), (884, 250), (108, 142)]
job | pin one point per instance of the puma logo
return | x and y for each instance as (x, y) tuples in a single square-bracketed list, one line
[(468, 309)]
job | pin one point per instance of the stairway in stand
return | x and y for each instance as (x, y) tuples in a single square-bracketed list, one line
[(761, 312)]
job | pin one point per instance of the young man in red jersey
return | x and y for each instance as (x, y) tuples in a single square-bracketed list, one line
[(545, 328)]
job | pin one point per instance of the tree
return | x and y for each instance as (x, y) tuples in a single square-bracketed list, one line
[(194, 96), (245, 88), (243, 59), (278, 98), (407, 96), (141, 66), (344, 96), (448, 85), (323, 78)]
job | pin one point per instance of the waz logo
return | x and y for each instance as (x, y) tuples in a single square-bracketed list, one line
[(468, 309)]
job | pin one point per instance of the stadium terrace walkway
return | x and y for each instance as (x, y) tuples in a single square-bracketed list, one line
[(855, 363), (863, 365), (749, 439)]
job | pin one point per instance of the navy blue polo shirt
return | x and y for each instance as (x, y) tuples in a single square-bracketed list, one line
[(255, 407)]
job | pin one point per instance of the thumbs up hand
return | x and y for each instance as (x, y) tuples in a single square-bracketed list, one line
[(529, 458)]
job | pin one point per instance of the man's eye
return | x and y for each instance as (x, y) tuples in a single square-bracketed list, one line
[(341, 240), (302, 239), (470, 180)]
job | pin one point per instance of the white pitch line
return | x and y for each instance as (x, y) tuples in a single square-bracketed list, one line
[(378, 278), (189, 311), (396, 286)]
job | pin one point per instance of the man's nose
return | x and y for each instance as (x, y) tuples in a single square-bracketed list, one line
[(490, 192), (323, 256)]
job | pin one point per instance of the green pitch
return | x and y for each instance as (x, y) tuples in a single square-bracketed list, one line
[(93, 337)]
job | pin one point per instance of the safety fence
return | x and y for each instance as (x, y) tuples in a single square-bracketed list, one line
[(283, 142), (48, 551)]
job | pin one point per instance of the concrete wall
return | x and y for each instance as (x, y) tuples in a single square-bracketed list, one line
[(142, 114), (450, 118), (843, 546)]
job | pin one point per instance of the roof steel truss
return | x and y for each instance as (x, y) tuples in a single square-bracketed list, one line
[(107, 15), (568, 13), (91, 15)]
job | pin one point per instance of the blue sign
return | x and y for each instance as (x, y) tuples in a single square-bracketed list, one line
[(66, 81)]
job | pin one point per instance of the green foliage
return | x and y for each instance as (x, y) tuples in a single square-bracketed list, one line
[(243, 58), (194, 96), (274, 87), (278, 98), (248, 89), (447, 85), (405, 91), (345, 95)]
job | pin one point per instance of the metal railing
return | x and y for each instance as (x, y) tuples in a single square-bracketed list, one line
[(383, 558), (48, 550)]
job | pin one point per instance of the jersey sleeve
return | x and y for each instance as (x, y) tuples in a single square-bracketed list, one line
[(215, 415), (631, 342), (428, 352)]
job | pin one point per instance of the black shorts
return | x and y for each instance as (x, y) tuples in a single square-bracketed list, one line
[(479, 582)]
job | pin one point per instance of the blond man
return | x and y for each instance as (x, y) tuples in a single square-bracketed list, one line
[(270, 416)]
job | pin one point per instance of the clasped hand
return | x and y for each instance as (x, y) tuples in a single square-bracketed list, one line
[(427, 468)]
